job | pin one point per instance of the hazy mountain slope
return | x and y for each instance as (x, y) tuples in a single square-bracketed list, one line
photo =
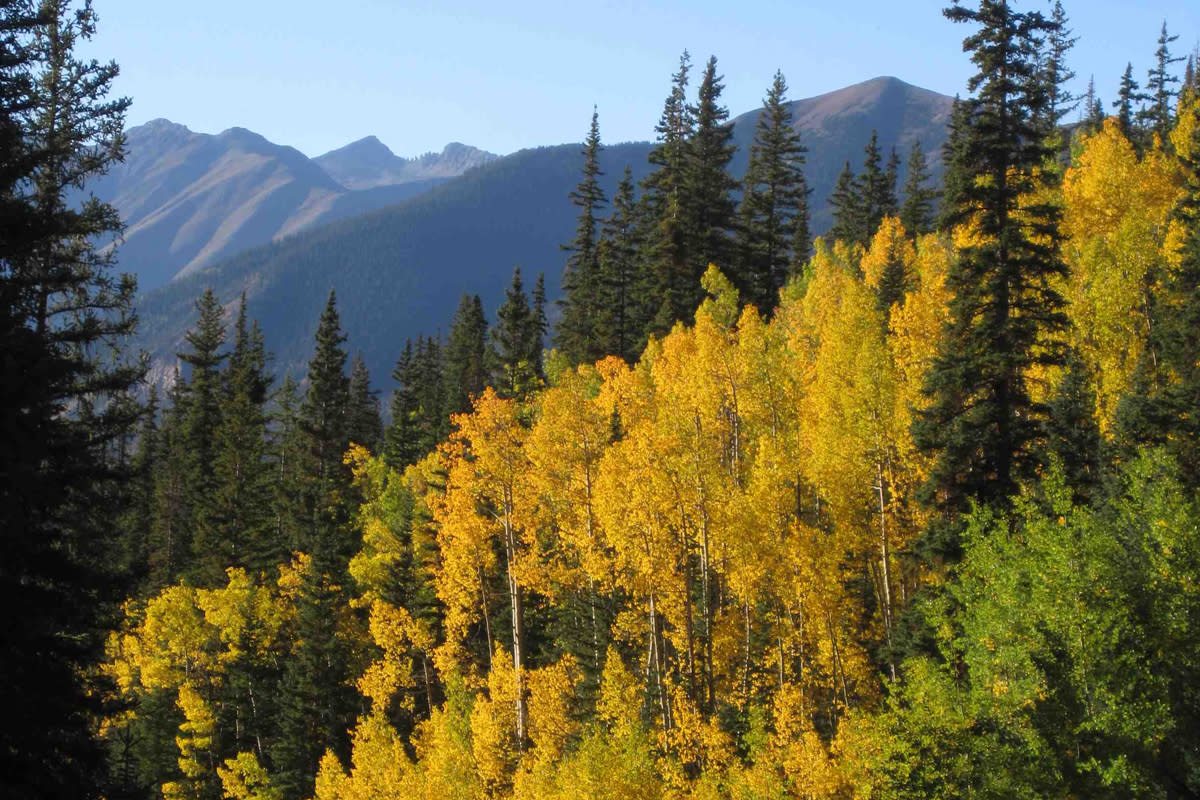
[(368, 163), (837, 126), (399, 271), (190, 199)]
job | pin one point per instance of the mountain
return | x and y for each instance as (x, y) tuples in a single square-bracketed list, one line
[(399, 271), (191, 199), (368, 163), (837, 126)]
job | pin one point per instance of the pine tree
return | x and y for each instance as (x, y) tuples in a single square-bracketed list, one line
[(64, 315), (1055, 73), (514, 338), (241, 508), (170, 529), (664, 206), (429, 374), (1127, 96), (401, 441), (848, 212), (363, 425), (1006, 317), (623, 316), (876, 189), (709, 211), (466, 371), (137, 523), (1093, 109), (956, 173), (539, 326), (916, 215), (582, 293), (203, 418), (774, 224), (1158, 116)]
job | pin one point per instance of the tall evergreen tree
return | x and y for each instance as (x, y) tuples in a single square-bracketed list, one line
[(624, 312), (956, 172), (1093, 109), (774, 219), (242, 521), (709, 208), (170, 548), (514, 339), (1127, 95), (876, 188), (466, 370), (1006, 317), (62, 310), (1158, 115), (582, 293), (664, 207), (848, 212), (201, 421), (1056, 74), (363, 424), (401, 440), (540, 326), (916, 214)]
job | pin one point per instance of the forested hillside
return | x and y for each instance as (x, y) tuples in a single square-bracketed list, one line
[(910, 510)]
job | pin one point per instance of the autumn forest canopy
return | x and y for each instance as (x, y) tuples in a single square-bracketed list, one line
[(910, 509)]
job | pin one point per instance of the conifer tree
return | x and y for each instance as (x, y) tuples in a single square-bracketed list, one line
[(429, 374), (848, 212), (64, 315), (514, 337), (1093, 108), (1056, 74), (1006, 317), (774, 211), (582, 294), (539, 324), (1158, 115), (623, 317), (199, 436), (170, 529), (363, 425), (1127, 95), (709, 209), (288, 451), (956, 173), (664, 206), (401, 441), (138, 521), (916, 214), (466, 371), (876, 189), (241, 514)]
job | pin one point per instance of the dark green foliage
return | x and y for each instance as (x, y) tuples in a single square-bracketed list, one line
[(774, 220), (1006, 317), (1127, 96), (244, 535), (516, 339), (138, 520), (287, 446), (401, 442), (363, 424), (848, 214), (1072, 432), (893, 280), (583, 299), (171, 528), (540, 325), (664, 204), (466, 362), (1056, 74), (64, 401), (876, 189), (1158, 116), (954, 159), (625, 286), (1093, 109), (916, 215), (708, 209)]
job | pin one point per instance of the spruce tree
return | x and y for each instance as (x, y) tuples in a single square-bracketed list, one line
[(242, 494), (170, 547), (956, 173), (848, 212), (64, 317), (429, 371), (466, 370), (624, 312), (1158, 115), (1056, 74), (1093, 109), (363, 424), (514, 338), (138, 521), (774, 220), (709, 210), (876, 191), (663, 208), (199, 437), (582, 294), (916, 214), (539, 326), (1006, 317), (401, 441), (1127, 95)]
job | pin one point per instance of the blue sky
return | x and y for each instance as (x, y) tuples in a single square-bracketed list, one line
[(508, 75)]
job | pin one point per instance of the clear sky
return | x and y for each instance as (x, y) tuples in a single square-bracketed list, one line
[(507, 75)]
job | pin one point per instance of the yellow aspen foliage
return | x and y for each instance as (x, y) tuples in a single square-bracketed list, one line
[(384, 509), (243, 778), (891, 245), (621, 696), (381, 769), (493, 726), (552, 723), (1116, 216)]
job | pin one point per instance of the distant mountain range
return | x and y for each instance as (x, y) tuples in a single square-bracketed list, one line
[(399, 270), (190, 199)]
